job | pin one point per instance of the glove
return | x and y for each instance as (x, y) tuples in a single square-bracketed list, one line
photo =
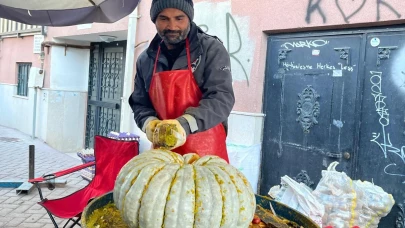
[(169, 134), (150, 128)]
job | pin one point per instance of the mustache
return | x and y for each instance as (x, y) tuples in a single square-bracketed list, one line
[(168, 31)]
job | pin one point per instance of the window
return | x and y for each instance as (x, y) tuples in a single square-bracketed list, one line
[(23, 72)]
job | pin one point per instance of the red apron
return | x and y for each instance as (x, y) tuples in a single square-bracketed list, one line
[(171, 93)]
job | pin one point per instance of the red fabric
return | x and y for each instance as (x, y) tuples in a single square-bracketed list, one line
[(64, 172), (171, 93), (110, 156)]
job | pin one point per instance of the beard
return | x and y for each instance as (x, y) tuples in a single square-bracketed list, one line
[(174, 37)]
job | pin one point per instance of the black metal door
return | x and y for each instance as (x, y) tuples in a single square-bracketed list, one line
[(382, 141), (311, 86), (355, 116), (107, 67)]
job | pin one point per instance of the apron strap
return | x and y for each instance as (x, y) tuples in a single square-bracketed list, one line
[(188, 56)]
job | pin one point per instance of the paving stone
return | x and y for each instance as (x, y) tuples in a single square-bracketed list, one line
[(34, 217), (15, 221), (5, 219), (22, 210), (29, 225), (5, 211)]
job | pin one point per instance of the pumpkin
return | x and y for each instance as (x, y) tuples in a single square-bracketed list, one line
[(160, 188)]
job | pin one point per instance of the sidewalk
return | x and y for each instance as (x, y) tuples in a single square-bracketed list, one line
[(23, 210)]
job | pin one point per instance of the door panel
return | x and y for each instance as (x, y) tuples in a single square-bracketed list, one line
[(105, 90), (310, 107), (360, 117), (382, 141)]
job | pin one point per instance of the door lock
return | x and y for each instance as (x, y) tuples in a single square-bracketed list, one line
[(346, 155)]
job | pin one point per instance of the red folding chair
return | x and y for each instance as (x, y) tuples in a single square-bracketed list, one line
[(110, 156)]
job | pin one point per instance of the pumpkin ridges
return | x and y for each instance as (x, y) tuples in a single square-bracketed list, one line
[(204, 205), (190, 158), (251, 193), (211, 213), (199, 195), (154, 155), (135, 193), (246, 212), (230, 210), (172, 204), (186, 204), (203, 161), (172, 210), (128, 180), (152, 209), (208, 160)]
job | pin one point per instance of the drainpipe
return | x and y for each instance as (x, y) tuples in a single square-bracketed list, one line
[(36, 87), (126, 112)]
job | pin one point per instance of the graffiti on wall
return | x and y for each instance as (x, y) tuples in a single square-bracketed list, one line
[(315, 8), (382, 138), (217, 20)]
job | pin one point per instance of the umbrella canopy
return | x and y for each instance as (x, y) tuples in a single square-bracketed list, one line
[(65, 12)]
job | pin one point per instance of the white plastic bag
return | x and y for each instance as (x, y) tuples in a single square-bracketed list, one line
[(336, 192), (351, 203), (375, 204), (299, 197)]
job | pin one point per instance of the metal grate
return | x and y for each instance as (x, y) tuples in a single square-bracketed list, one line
[(105, 90), (23, 72)]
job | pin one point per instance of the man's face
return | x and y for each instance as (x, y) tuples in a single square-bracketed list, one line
[(173, 26)]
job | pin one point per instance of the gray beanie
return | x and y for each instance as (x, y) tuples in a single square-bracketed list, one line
[(159, 5)]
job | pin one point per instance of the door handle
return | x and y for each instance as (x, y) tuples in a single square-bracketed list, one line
[(345, 155), (334, 155)]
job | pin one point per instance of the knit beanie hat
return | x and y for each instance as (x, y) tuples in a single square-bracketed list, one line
[(184, 5)]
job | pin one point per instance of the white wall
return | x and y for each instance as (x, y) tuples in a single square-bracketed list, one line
[(70, 72), (66, 99), (66, 118), (16, 111)]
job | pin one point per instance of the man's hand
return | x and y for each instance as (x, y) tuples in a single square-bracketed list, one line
[(150, 128), (169, 134)]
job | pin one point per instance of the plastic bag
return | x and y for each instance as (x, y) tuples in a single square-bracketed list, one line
[(375, 204), (351, 203), (299, 197)]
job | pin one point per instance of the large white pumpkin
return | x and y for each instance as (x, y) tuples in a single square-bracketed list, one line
[(164, 189)]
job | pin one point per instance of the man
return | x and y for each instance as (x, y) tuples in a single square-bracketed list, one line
[(183, 79)]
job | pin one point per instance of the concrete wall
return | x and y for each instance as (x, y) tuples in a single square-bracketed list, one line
[(67, 98), (16, 111), (61, 105)]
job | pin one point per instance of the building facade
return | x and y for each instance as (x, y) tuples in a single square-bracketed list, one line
[(315, 82)]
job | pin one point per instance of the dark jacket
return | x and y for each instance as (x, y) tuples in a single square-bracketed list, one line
[(211, 68)]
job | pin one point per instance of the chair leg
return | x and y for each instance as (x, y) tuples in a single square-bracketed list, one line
[(75, 222), (52, 219)]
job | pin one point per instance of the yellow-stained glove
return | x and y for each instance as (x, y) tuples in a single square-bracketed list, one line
[(169, 134), (150, 128)]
